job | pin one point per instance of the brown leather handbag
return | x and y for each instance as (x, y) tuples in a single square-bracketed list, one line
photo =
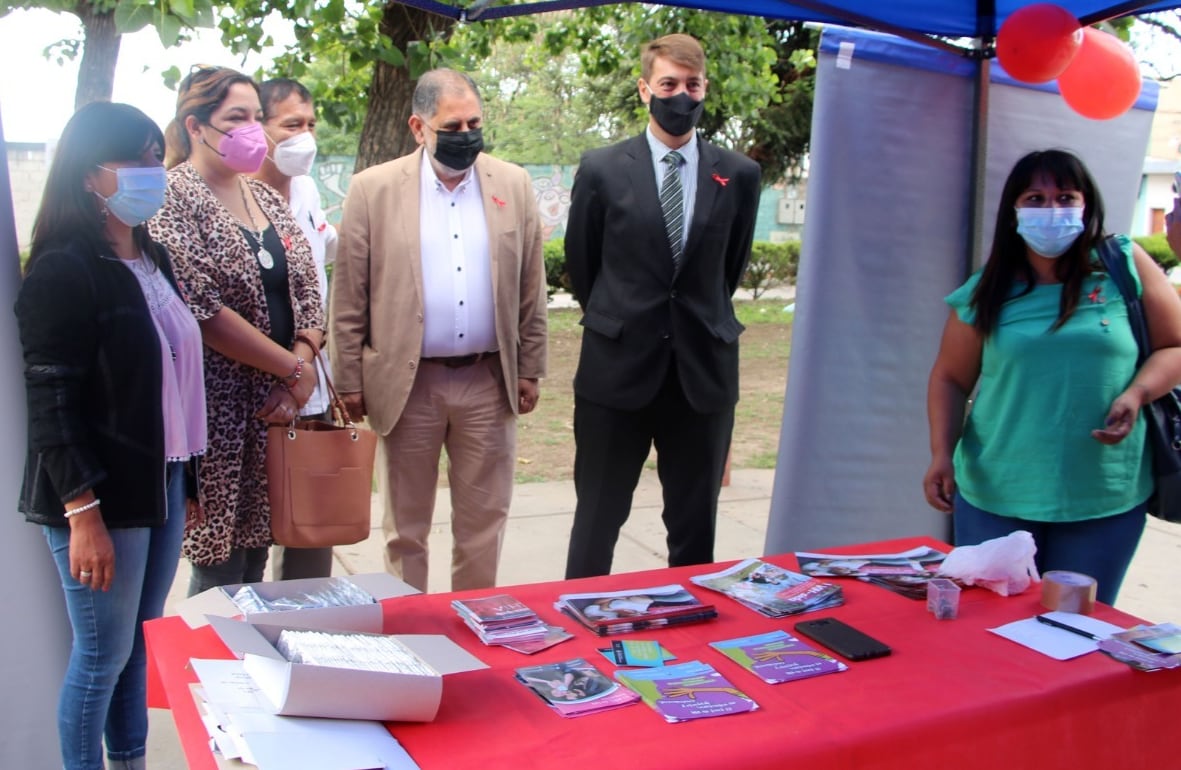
[(319, 478)]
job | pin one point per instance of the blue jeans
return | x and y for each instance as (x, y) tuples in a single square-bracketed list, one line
[(105, 688), (1102, 548), (245, 565)]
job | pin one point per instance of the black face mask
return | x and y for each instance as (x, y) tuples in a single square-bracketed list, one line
[(457, 150), (678, 115)]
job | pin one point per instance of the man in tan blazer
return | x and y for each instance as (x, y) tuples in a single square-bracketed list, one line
[(438, 323)]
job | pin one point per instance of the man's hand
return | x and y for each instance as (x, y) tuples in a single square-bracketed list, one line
[(354, 404), (527, 394)]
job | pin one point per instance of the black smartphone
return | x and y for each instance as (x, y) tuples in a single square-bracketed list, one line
[(842, 638)]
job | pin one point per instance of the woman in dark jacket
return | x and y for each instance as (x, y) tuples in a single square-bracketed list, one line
[(116, 409)]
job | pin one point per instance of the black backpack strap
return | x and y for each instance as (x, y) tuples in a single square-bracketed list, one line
[(1116, 264)]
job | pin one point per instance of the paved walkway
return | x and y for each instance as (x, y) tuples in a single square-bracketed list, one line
[(539, 528)]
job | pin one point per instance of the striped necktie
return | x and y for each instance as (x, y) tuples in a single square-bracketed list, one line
[(672, 204)]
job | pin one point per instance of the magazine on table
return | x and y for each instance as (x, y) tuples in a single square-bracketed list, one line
[(905, 572), (778, 656), (553, 635), (574, 687), (635, 609), (1146, 648), (770, 589), (501, 619), (685, 691)]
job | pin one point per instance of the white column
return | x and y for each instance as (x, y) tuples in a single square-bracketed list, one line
[(35, 642)]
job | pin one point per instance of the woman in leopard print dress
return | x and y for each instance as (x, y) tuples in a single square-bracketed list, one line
[(248, 274)]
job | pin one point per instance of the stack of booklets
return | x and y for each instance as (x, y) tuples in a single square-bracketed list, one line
[(771, 590), (1146, 648), (574, 688), (687, 691), (620, 612), (500, 619), (906, 572), (778, 656)]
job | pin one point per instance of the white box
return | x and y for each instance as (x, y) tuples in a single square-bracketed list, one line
[(365, 618), (300, 689)]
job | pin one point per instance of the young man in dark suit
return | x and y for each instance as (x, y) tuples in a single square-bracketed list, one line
[(658, 236)]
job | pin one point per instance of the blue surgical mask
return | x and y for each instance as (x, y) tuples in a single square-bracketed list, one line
[(1050, 231), (139, 193)]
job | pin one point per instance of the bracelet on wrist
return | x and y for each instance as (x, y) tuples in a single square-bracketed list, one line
[(293, 378), (82, 508)]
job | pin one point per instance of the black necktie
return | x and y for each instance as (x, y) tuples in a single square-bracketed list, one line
[(672, 204)]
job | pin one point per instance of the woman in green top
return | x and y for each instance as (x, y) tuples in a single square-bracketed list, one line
[(1054, 442)]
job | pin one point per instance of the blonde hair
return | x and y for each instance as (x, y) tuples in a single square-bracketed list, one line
[(200, 94), (681, 49)]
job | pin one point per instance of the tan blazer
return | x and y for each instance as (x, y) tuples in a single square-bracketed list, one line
[(376, 310)]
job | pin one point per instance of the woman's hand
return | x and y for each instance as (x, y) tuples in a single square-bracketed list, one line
[(1121, 416), (301, 389), (939, 484), (92, 554), (280, 407)]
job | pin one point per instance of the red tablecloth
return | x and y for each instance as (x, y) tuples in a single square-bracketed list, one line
[(951, 694)]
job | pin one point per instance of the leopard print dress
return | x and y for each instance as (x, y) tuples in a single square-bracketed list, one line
[(216, 267)]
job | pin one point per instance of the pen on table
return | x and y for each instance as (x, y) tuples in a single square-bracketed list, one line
[(1066, 627)]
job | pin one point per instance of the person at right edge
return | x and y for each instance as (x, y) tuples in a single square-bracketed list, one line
[(658, 236), (1054, 443)]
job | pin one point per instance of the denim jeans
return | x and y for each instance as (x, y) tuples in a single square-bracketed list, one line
[(1102, 548), (105, 688), (245, 565)]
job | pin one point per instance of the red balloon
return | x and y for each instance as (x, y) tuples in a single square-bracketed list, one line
[(1103, 81), (1037, 42)]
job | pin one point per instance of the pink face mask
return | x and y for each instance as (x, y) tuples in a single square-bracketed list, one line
[(242, 149)]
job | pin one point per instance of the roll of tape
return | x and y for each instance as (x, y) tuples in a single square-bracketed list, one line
[(1068, 591)]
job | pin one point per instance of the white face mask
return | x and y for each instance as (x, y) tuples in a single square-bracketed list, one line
[(294, 156)]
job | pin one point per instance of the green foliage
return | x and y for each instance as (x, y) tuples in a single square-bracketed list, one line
[(553, 252), (771, 264), (1158, 248)]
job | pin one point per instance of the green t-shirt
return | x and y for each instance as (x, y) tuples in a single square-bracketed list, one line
[(1026, 449)]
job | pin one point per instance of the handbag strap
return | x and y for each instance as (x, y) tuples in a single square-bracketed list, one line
[(336, 407), (1116, 264)]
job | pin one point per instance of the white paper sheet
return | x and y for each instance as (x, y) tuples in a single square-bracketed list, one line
[(1057, 643)]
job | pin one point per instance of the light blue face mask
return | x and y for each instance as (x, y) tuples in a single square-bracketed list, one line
[(1050, 231), (139, 193)]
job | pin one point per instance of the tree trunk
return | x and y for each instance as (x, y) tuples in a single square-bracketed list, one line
[(385, 133), (100, 51)]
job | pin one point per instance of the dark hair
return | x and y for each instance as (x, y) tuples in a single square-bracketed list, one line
[(1008, 263), (97, 134), (200, 94), (435, 83), (276, 90)]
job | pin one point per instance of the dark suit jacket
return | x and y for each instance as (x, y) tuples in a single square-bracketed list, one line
[(637, 315)]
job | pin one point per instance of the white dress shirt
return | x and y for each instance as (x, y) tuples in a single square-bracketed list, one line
[(459, 318), (309, 215)]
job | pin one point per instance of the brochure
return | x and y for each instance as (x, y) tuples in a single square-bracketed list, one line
[(633, 652), (553, 635), (1146, 648), (501, 619), (771, 590), (685, 691), (635, 609), (905, 572), (778, 656), (574, 687)]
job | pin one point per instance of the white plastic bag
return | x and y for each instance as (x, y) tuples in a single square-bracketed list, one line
[(1003, 564)]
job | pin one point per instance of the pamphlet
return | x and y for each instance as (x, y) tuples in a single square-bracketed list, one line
[(633, 652), (503, 620), (636, 609), (905, 572), (1146, 648), (574, 687), (771, 590), (684, 691), (778, 656)]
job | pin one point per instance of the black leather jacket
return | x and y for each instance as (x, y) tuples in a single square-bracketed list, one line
[(93, 382)]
